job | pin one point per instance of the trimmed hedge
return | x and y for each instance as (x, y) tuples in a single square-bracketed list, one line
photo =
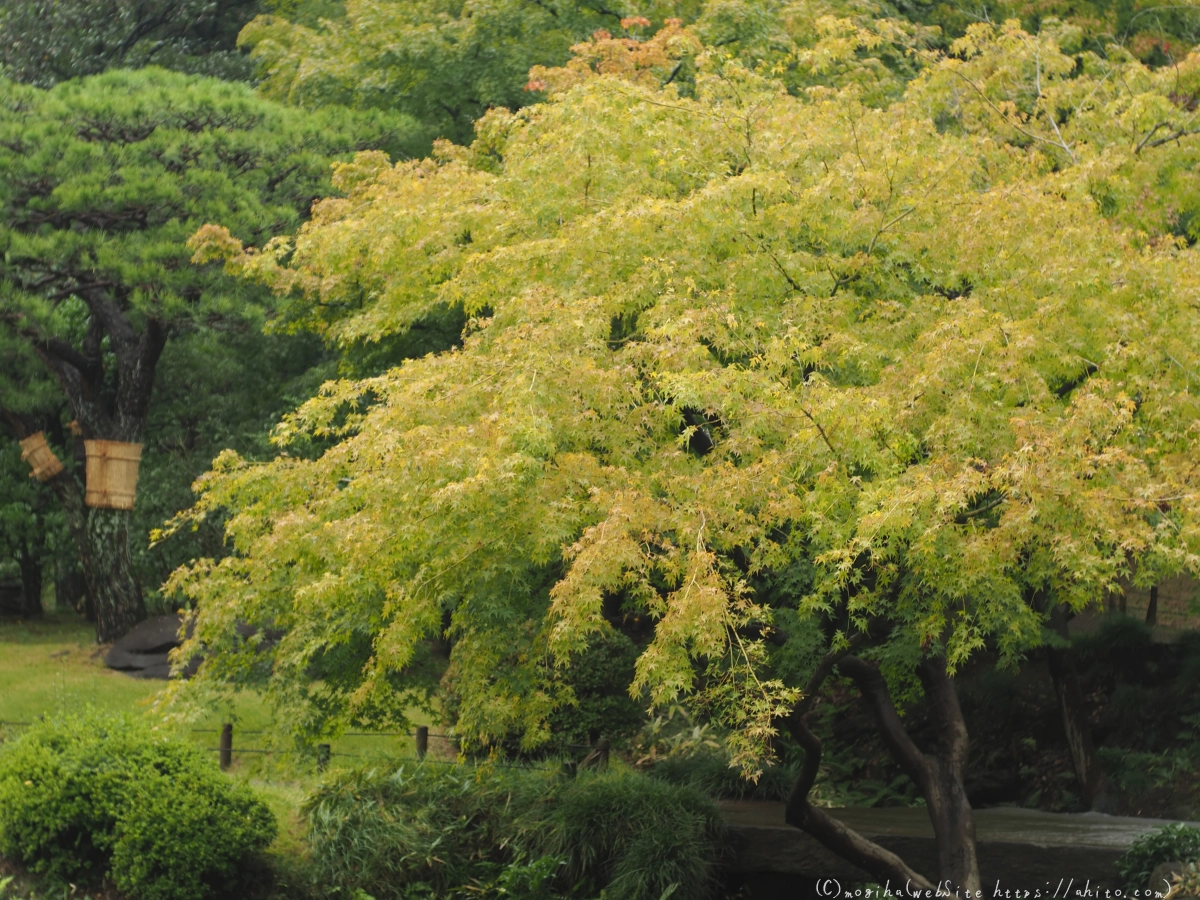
[(88, 797)]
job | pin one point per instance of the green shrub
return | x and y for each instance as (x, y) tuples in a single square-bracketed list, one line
[(635, 837), (85, 797), (599, 679), (1170, 843), (455, 831), (422, 826), (710, 773)]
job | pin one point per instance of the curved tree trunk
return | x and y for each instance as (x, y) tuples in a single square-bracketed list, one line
[(946, 796), (940, 777)]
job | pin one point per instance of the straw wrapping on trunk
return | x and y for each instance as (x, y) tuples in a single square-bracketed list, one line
[(112, 471), (37, 452)]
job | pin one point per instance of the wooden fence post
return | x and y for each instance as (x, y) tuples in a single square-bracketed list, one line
[(422, 740), (226, 749), (323, 754), (602, 753)]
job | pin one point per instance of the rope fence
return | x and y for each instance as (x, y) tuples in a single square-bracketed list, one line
[(597, 756)]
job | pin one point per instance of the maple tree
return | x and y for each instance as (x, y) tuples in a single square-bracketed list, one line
[(821, 377), (444, 63)]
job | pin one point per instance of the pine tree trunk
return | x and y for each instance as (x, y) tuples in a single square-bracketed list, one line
[(31, 585), (108, 569)]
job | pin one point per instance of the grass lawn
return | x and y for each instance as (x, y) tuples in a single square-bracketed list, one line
[(54, 665)]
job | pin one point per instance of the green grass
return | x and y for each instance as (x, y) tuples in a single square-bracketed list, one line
[(54, 665)]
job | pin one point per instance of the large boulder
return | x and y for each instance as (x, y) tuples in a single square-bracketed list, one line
[(143, 652)]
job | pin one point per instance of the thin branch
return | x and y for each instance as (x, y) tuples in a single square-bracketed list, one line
[(884, 228), (771, 254), (75, 290), (963, 516), (1181, 133), (821, 430), (1000, 113), (1149, 134)]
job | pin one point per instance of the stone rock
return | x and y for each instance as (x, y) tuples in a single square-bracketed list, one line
[(161, 670), (143, 652), (1162, 878)]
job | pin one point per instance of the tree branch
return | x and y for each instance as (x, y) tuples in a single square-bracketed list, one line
[(820, 430), (951, 728), (870, 682), (795, 724), (838, 837), (1174, 136), (851, 846), (105, 308), (67, 354), (137, 380)]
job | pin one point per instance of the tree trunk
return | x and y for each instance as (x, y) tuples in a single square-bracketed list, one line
[(108, 569), (946, 797), (31, 584), (879, 862), (940, 776), (113, 594), (70, 588), (102, 535), (1084, 759)]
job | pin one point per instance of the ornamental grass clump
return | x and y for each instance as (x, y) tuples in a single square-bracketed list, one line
[(450, 831), (86, 798), (634, 837), (420, 827)]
